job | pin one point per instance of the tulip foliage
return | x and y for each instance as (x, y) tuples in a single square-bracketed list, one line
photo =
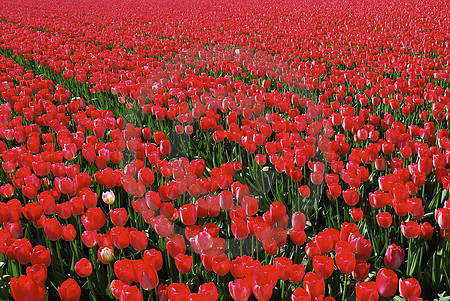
[(211, 150)]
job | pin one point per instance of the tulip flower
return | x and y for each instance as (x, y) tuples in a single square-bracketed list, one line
[(183, 263), (394, 256), (387, 282), (108, 197), (69, 290), (83, 267), (367, 291), (410, 289), (314, 285)]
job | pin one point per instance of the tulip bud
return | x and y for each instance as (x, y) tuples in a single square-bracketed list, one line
[(394, 256), (105, 255), (387, 282), (108, 197)]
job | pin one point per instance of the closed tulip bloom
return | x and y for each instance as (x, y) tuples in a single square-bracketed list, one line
[(147, 276), (108, 197), (357, 214), (121, 237), (53, 229), (346, 262), (175, 244), (183, 263), (239, 228), (38, 273), (240, 289), (361, 270), (323, 266), (138, 240), (24, 288), (299, 220), (298, 235), (188, 214), (314, 285), (367, 291), (284, 266), (178, 292), (119, 217), (300, 294), (41, 255), (298, 271), (410, 289), (426, 230), (124, 271), (387, 282), (384, 219), (351, 196), (105, 255), (131, 293), (221, 264), (277, 211), (69, 290), (394, 256), (443, 218), (93, 219), (411, 229), (83, 267)]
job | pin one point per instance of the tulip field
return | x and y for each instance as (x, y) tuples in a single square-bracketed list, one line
[(225, 150)]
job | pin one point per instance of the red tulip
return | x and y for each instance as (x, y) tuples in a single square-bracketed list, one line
[(361, 270), (69, 290), (426, 230), (147, 276), (346, 262), (83, 267), (251, 205), (175, 245), (384, 219), (178, 292), (89, 238), (40, 255), (32, 211), (183, 263), (442, 216), (314, 285), (93, 219), (121, 237), (298, 236), (298, 271), (410, 289), (239, 228), (323, 266), (188, 214), (411, 229), (138, 240), (284, 266), (209, 290), (387, 282), (357, 214), (277, 211), (123, 271), (300, 294), (394, 256), (53, 229), (131, 293), (119, 217), (367, 291), (38, 273), (221, 264), (153, 257)]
